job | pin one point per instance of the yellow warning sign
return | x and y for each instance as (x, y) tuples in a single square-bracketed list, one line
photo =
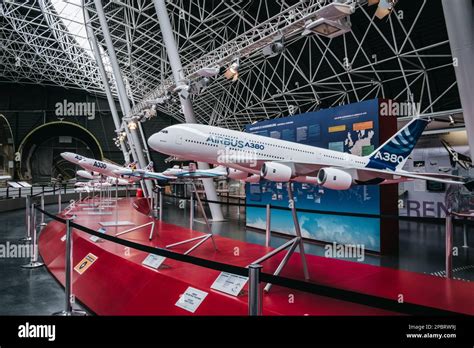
[(85, 263)]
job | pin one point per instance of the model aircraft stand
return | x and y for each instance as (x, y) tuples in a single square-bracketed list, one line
[(69, 297), (203, 238), (290, 245), (151, 223)]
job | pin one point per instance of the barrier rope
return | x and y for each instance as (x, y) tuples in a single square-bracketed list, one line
[(313, 288)]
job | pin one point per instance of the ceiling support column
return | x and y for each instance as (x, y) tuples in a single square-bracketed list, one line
[(105, 81), (134, 140), (459, 22), (175, 62)]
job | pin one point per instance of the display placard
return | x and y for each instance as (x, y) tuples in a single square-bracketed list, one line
[(153, 261), (95, 239), (191, 299), (85, 263), (229, 283)]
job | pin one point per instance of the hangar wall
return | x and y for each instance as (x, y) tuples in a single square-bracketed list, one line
[(30, 106)]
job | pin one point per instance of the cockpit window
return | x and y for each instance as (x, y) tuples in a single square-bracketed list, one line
[(164, 131)]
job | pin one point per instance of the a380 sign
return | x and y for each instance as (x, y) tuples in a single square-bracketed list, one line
[(389, 157)]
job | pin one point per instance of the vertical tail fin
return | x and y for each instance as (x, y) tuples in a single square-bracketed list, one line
[(393, 154)]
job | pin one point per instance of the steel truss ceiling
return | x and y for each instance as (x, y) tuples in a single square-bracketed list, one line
[(405, 57)]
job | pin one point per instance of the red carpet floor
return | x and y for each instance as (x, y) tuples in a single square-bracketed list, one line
[(118, 284)]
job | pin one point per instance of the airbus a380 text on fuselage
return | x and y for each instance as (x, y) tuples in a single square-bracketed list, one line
[(250, 155)]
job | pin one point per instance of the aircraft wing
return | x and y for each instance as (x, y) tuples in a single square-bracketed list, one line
[(202, 174), (158, 176), (400, 174)]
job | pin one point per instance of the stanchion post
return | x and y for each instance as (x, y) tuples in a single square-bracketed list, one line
[(255, 291), (268, 226), (59, 200), (161, 203), (191, 211), (42, 208), (449, 245), (28, 219), (69, 298), (34, 263), (464, 234)]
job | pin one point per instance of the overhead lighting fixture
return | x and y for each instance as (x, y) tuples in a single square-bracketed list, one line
[(328, 28), (209, 71), (385, 7), (452, 122), (132, 125), (232, 73), (331, 20), (276, 47)]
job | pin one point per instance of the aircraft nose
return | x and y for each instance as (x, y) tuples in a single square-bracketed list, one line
[(66, 155), (156, 141)]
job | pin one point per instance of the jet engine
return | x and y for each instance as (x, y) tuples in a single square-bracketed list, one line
[(276, 172), (236, 174), (334, 179), (86, 175)]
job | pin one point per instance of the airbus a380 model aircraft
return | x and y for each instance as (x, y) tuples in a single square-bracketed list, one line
[(249, 155)]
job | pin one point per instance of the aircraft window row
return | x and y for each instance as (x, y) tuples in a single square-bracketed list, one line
[(334, 157), (200, 142), (222, 135)]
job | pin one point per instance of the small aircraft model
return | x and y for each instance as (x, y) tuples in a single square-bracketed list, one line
[(93, 166), (457, 158), (174, 173)]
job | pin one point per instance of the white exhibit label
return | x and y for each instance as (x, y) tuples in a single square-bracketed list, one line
[(153, 261), (95, 239), (229, 283), (191, 299)]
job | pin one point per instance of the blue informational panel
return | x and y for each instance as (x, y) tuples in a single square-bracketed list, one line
[(350, 128)]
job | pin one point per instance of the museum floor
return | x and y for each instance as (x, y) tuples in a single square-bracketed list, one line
[(36, 292)]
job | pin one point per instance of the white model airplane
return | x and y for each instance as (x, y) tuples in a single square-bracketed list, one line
[(173, 173), (93, 166), (192, 172), (109, 181), (140, 174), (248, 155), (457, 158)]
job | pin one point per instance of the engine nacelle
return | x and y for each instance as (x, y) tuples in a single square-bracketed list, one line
[(306, 180), (253, 179), (276, 172), (86, 175), (236, 174), (334, 179)]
